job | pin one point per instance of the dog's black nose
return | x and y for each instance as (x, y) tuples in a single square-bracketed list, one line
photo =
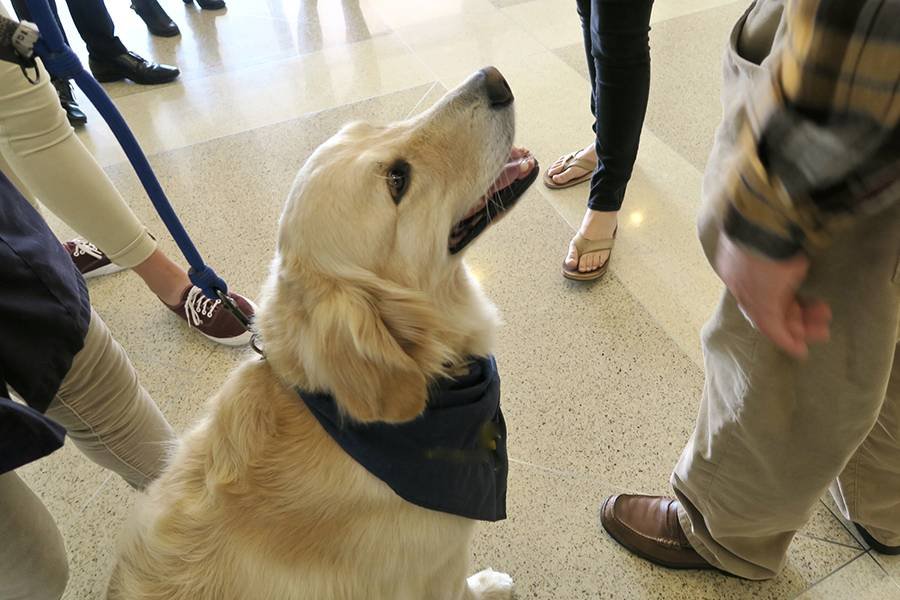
[(498, 90)]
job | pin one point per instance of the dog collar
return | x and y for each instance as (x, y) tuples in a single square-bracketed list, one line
[(452, 458)]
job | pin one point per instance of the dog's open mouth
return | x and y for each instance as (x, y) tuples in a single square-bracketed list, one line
[(501, 196)]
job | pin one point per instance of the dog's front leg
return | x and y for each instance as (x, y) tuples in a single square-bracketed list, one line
[(489, 585)]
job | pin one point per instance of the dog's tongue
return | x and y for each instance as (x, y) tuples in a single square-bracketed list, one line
[(518, 166)]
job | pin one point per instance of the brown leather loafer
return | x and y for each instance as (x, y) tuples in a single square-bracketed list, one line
[(648, 526)]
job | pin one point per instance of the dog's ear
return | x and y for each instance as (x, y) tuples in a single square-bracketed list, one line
[(375, 348)]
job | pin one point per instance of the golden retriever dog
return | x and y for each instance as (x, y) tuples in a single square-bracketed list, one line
[(368, 301)]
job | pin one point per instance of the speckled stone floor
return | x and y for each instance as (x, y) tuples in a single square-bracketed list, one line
[(601, 383)]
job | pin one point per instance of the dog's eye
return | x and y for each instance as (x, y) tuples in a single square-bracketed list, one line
[(398, 180)]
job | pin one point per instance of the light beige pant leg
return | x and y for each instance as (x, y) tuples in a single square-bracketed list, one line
[(773, 433), (33, 563), (45, 159), (868, 490), (108, 414), (116, 424)]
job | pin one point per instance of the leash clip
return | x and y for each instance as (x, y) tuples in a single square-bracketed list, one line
[(232, 307)]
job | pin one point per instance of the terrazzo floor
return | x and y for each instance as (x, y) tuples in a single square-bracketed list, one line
[(601, 383)]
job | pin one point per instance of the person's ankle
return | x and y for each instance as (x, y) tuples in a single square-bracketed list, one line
[(599, 224), (174, 296)]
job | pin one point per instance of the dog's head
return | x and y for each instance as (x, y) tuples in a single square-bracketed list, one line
[(368, 297)]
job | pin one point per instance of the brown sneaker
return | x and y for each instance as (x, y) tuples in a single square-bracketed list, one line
[(648, 526), (212, 319), (89, 259)]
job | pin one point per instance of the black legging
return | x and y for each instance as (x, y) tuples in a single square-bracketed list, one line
[(617, 47), (93, 22)]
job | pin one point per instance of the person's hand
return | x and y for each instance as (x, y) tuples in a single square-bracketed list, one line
[(766, 291)]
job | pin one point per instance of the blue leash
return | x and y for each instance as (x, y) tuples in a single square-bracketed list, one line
[(62, 63)]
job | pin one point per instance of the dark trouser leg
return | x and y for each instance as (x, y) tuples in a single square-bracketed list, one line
[(96, 28), (620, 49), (584, 13), (21, 8)]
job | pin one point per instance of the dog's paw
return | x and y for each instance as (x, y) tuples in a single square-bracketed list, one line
[(491, 585)]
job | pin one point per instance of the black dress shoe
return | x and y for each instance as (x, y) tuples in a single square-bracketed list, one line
[(131, 66), (67, 100), (875, 544), (158, 22), (208, 4)]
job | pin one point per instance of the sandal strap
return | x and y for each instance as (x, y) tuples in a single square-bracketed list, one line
[(586, 246), (582, 163)]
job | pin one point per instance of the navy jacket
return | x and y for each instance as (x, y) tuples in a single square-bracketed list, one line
[(44, 315)]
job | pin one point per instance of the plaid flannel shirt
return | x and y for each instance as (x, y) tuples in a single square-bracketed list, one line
[(820, 145)]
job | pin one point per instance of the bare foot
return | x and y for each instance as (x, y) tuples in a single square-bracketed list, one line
[(518, 165), (596, 225), (561, 175)]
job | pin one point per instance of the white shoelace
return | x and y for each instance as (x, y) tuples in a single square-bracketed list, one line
[(85, 247), (197, 306)]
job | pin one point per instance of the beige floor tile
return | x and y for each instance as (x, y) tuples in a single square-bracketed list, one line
[(403, 13), (657, 256), (670, 9), (454, 47), (573, 55), (182, 391), (862, 579), (505, 3), (826, 525), (198, 110), (891, 564), (582, 390), (317, 24), (823, 526), (92, 549), (554, 24), (553, 547), (65, 481), (685, 108), (246, 34)]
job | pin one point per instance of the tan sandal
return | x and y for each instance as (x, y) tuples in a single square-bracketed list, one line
[(570, 161), (586, 246)]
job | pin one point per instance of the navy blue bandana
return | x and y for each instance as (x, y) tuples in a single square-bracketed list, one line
[(452, 458)]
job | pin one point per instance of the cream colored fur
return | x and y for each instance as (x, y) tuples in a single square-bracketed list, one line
[(363, 300)]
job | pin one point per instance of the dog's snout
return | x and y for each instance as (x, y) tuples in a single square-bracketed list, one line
[(497, 89)]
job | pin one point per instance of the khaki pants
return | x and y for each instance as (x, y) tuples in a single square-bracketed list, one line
[(112, 419), (45, 160), (775, 433)]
